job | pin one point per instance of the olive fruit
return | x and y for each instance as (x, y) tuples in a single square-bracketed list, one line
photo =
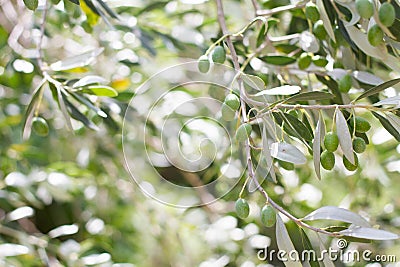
[(331, 141), (286, 165), (319, 61), (268, 216), (242, 208), (362, 125), (203, 64), (365, 8), (349, 166), (387, 14), (359, 145), (345, 83), (243, 132), (312, 12), (327, 160), (40, 126), (219, 55), (232, 101), (304, 61), (375, 35), (227, 113), (319, 30)]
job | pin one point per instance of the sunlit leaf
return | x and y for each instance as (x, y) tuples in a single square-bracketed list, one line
[(76, 61), (287, 152), (337, 214), (345, 140), (99, 90), (285, 243), (392, 101), (281, 90), (369, 233), (64, 230), (378, 88), (367, 78), (88, 80), (10, 250)]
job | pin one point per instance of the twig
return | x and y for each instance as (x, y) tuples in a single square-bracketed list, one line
[(250, 168)]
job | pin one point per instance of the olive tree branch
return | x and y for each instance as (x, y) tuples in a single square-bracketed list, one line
[(250, 168)]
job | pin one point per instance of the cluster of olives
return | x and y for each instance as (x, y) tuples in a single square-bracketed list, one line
[(218, 56), (40, 126), (386, 15), (331, 143), (267, 216)]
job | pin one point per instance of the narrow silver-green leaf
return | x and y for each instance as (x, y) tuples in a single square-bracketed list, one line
[(366, 77), (89, 80), (285, 243), (30, 111), (326, 260), (337, 214), (378, 88), (369, 233), (267, 154), (100, 90), (281, 90), (325, 19), (344, 135), (318, 138), (394, 121), (287, 152), (253, 81), (76, 61), (317, 95), (63, 106), (392, 101)]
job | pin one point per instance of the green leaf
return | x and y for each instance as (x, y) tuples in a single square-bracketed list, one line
[(261, 35), (285, 243), (88, 80), (387, 125), (77, 115), (318, 139), (298, 126), (325, 19), (31, 4), (344, 135), (108, 9), (278, 60), (378, 88), (30, 110), (99, 90), (86, 102), (309, 96)]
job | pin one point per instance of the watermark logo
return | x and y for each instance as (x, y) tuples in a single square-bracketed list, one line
[(332, 254)]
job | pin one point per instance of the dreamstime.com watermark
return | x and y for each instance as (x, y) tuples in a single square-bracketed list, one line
[(340, 254)]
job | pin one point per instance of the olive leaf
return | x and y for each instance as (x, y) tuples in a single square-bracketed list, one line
[(368, 233), (76, 61), (281, 90), (387, 125), (287, 152), (317, 95), (285, 243), (31, 4), (278, 60), (325, 19), (89, 80), (378, 88), (345, 140), (337, 214), (318, 137)]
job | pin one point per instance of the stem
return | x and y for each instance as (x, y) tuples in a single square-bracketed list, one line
[(250, 168)]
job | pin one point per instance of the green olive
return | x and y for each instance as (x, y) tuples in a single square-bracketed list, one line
[(203, 64), (319, 30), (331, 141), (365, 8), (362, 125), (227, 113), (348, 164), (232, 101), (243, 132), (304, 61), (40, 126), (345, 83), (375, 35), (319, 61), (268, 216), (219, 55), (387, 14), (242, 208), (359, 145), (312, 12), (327, 160)]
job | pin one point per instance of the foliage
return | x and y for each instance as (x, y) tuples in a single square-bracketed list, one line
[(304, 85)]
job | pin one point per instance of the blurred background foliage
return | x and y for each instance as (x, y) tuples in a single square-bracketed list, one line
[(67, 200)]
